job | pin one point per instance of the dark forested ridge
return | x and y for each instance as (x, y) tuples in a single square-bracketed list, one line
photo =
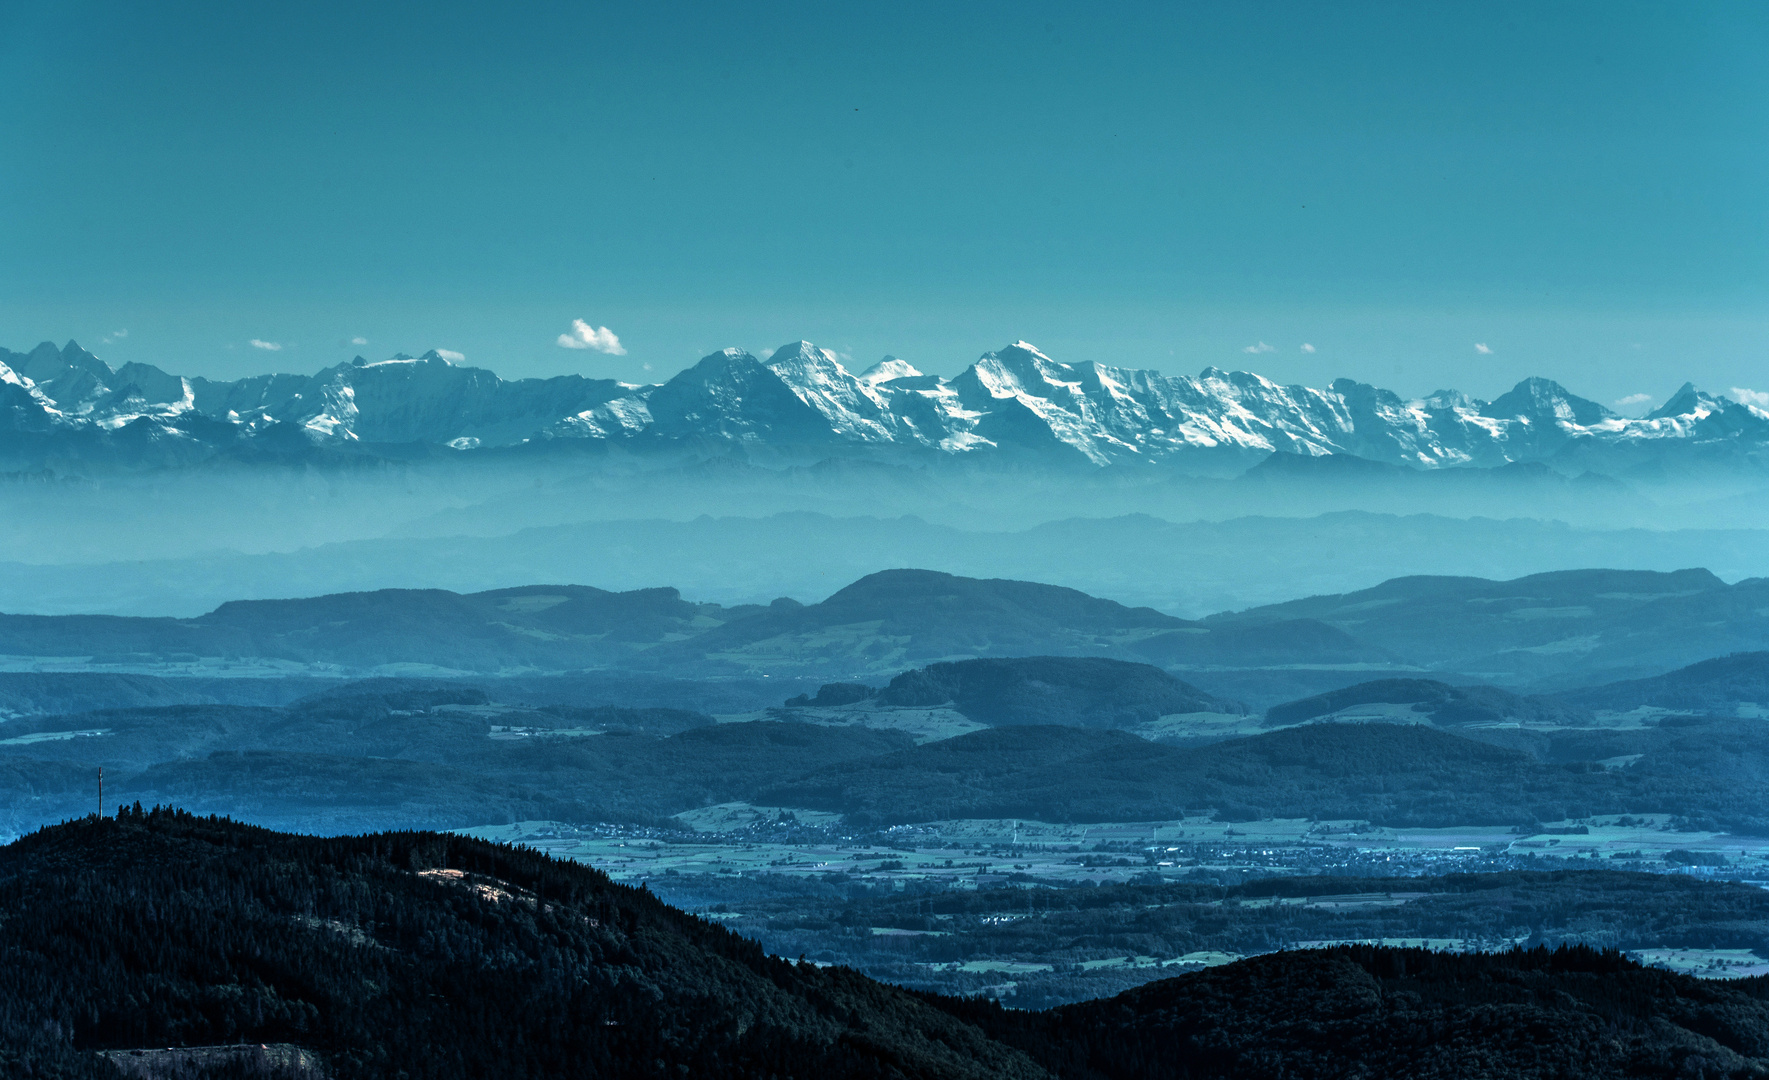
[(403, 753), (424, 955), (1374, 1012), (435, 754), (417, 955), (1079, 691), (1402, 775)]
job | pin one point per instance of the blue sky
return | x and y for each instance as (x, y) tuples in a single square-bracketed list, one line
[(1581, 188)]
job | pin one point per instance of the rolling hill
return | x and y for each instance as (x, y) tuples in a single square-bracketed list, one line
[(417, 954), (1076, 691), (896, 618), (1549, 631), (165, 941), (1737, 684), (1583, 625), (1441, 703)]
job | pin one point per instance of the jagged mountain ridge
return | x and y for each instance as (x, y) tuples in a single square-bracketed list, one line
[(802, 401)]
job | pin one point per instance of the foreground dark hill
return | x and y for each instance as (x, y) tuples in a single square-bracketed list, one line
[(421, 955), (417, 955), (1373, 1012)]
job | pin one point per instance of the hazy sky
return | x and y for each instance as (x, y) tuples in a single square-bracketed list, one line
[(1583, 189)]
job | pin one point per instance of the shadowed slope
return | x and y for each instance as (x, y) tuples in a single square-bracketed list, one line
[(415, 954)]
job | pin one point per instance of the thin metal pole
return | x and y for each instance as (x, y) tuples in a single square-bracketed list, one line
[(101, 791)]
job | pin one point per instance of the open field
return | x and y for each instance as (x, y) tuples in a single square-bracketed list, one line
[(743, 865), (1706, 963), (737, 839)]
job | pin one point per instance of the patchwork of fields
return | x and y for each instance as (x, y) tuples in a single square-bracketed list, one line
[(740, 839)]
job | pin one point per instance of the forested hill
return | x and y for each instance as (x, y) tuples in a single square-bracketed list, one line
[(417, 955), (421, 955), (1372, 1012)]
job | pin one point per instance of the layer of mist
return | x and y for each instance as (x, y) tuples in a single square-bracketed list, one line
[(179, 543)]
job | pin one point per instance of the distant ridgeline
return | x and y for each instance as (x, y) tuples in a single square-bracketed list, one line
[(954, 698), (414, 954), (1561, 629), (65, 407), (1047, 739)]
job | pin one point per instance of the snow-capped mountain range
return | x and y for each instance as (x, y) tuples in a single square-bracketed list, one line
[(61, 404)]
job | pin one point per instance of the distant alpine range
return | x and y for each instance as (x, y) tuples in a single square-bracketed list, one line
[(66, 405)]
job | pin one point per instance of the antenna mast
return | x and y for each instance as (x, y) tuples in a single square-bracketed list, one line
[(101, 791)]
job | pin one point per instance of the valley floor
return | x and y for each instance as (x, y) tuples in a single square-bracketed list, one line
[(802, 884), (738, 839)]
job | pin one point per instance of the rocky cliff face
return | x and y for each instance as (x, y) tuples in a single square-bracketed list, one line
[(803, 400)]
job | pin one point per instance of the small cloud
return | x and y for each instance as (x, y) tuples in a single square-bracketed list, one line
[(1757, 399), (114, 336), (647, 367), (1483, 349), (1632, 401), (1259, 348), (359, 340), (585, 336), (451, 356), (268, 346), (1306, 347)]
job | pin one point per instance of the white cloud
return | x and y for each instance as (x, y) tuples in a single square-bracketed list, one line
[(585, 336), (1483, 349), (359, 340), (1754, 398), (1259, 348), (114, 336), (1306, 347), (451, 356), (1632, 400), (272, 346)]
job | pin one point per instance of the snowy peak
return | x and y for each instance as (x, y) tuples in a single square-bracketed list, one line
[(1686, 401), (69, 377), (1541, 400), (804, 403), (889, 369), (731, 396)]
